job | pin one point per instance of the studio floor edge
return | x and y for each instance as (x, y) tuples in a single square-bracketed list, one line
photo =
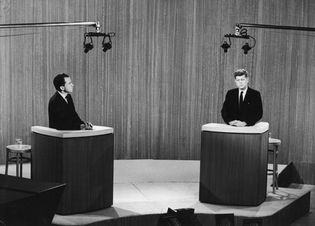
[(144, 189)]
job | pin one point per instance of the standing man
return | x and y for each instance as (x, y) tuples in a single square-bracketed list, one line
[(61, 110), (242, 105)]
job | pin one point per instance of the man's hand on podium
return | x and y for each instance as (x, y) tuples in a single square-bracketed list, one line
[(86, 126), (237, 123)]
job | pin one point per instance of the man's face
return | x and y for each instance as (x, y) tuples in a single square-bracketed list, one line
[(68, 87), (241, 82)]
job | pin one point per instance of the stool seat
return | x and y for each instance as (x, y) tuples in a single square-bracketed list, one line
[(15, 154), (19, 148), (274, 141)]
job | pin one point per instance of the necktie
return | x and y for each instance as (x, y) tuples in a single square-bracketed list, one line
[(241, 100), (68, 98)]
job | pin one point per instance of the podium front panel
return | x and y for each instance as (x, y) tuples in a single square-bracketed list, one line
[(85, 164), (233, 168)]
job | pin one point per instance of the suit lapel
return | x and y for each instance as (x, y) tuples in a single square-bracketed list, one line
[(61, 100), (248, 94)]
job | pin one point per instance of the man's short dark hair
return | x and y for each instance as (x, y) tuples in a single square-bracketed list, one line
[(59, 80), (240, 72)]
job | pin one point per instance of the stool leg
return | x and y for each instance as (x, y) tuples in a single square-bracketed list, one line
[(17, 165), (274, 173), (31, 166), (7, 163), (276, 169), (21, 165)]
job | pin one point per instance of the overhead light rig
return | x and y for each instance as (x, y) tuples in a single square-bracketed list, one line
[(241, 32), (107, 42)]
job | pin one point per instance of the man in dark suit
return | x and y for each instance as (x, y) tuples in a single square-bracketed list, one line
[(61, 110), (242, 105)]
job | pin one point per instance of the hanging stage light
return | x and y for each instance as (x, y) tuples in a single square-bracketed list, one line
[(87, 45), (249, 45), (105, 44), (246, 48), (225, 46)]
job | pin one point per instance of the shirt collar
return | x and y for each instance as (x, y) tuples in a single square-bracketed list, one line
[(244, 92), (63, 95)]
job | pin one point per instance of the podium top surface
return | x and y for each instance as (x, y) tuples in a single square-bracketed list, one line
[(260, 127), (97, 130)]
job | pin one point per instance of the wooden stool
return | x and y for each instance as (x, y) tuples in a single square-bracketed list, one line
[(15, 154), (273, 148)]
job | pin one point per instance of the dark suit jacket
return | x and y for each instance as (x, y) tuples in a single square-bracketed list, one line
[(62, 115), (250, 112)]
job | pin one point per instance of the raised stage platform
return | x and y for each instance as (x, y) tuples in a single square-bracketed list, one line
[(144, 189)]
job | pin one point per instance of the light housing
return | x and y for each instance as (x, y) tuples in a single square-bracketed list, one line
[(246, 48), (225, 46), (107, 45), (87, 45)]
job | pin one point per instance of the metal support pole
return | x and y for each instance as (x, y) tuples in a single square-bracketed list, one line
[(52, 24), (269, 26)]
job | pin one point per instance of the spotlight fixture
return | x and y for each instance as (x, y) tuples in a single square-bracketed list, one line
[(225, 46), (246, 48), (106, 44), (87, 45)]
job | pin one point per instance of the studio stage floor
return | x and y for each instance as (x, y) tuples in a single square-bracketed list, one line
[(144, 187)]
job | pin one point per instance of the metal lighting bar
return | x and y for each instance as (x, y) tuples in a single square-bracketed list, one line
[(52, 24), (98, 34), (236, 36), (268, 26)]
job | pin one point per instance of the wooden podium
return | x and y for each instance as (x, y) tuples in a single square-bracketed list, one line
[(233, 164), (83, 159)]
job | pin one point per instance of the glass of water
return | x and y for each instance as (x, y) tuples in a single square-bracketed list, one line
[(18, 140)]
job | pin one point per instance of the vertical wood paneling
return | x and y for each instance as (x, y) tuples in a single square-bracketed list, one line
[(5, 100), (166, 74)]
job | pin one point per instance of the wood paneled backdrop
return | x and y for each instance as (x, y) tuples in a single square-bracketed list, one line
[(166, 74)]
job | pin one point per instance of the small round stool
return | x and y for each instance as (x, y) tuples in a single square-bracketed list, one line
[(16, 154), (273, 148)]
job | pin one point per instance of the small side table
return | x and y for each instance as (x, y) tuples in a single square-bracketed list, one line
[(16, 154)]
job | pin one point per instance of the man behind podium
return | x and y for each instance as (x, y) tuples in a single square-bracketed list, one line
[(61, 110), (242, 105)]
